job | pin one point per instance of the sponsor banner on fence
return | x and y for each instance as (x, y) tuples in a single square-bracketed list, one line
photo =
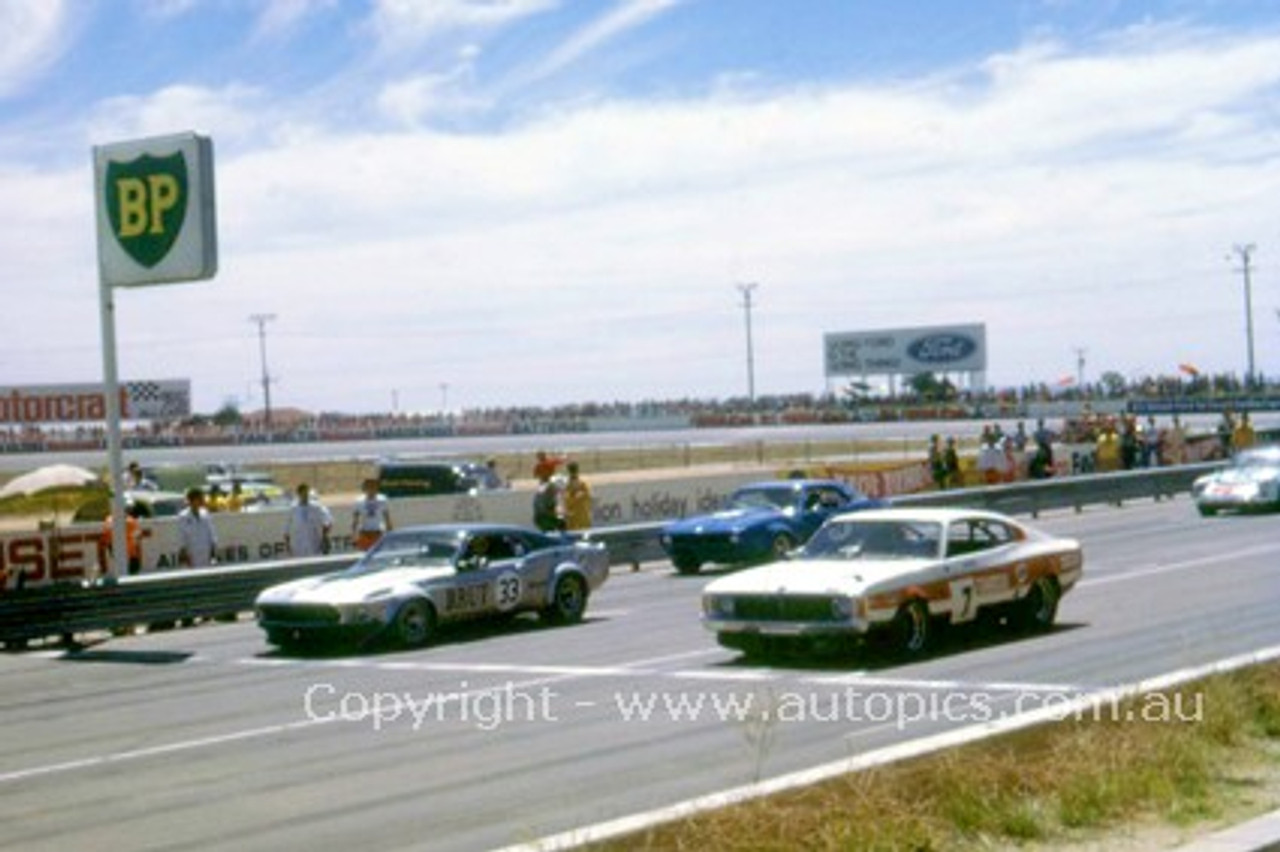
[(152, 399), (71, 554)]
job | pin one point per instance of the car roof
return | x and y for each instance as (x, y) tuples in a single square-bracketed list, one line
[(468, 528), (793, 483), (940, 514)]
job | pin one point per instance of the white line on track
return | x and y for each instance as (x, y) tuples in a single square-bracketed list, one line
[(912, 748), (1143, 573)]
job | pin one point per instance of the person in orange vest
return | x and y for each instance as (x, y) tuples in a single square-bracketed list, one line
[(132, 540)]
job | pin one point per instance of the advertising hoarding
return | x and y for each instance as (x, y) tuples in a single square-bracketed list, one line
[(907, 351), (156, 399)]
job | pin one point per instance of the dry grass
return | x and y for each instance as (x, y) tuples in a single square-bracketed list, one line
[(1057, 784)]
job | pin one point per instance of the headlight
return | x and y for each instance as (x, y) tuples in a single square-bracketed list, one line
[(367, 611), (843, 608), (717, 606)]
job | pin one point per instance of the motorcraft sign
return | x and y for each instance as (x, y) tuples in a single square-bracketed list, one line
[(157, 399), (911, 351), (155, 210)]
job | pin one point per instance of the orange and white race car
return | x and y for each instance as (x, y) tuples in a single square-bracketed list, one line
[(895, 573)]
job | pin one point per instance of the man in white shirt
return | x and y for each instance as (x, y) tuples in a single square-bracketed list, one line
[(198, 540), (306, 532), (372, 516)]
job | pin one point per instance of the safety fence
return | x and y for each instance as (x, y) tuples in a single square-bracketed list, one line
[(165, 597)]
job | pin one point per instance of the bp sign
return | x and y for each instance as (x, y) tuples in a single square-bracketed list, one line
[(155, 211)]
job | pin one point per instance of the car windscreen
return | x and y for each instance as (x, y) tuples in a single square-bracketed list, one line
[(880, 539), (763, 498), (409, 550)]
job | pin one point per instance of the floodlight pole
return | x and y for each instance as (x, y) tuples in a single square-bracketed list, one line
[(746, 290)]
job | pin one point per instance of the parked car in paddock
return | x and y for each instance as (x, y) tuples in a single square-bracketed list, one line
[(1251, 481), (895, 573), (416, 478), (760, 521), (420, 578)]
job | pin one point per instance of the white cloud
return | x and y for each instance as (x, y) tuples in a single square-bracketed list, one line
[(278, 17), (231, 114), (33, 36), (626, 16), (404, 23), (1064, 197)]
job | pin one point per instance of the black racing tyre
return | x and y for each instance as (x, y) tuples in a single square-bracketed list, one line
[(568, 601), (415, 623), (781, 545), (686, 564), (911, 633), (1206, 511), (1036, 612)]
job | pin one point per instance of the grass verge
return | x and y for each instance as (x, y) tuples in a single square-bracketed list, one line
[(1216, 757)]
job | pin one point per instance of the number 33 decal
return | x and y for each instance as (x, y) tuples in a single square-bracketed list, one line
[(507, 591)]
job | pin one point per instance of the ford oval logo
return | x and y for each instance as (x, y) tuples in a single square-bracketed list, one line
[(942, 348)]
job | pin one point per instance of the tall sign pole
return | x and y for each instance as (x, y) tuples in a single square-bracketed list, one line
[(154, 206)]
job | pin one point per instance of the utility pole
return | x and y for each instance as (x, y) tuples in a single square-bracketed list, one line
[(1245, 253), (262, 320), (747, 290), (1080, 353)]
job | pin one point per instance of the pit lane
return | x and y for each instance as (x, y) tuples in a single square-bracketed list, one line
[(205, 738)]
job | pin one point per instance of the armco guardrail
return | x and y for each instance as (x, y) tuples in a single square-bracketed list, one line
[(1075, 492), (204, 593), (168, 596)]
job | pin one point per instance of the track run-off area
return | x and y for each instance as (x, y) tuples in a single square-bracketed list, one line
[(495, 736)]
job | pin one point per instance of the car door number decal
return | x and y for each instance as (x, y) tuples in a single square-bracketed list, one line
[(964, 603), (466, 598), (508, 591)]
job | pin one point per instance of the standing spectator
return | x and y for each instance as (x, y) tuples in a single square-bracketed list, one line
[(136, 480), (1174, 443), (951, 460), (1020, 438), (235, 500), (1041, 465), (545, 466), (577, 500), (1226, 431), (1129, 446), (217, 501), (372, 517), (199, 541), (1150, 442), (937, 463), (132, 541), (546, 505), (306, 532), (1107, 448), (1243, 437), (991, 458)]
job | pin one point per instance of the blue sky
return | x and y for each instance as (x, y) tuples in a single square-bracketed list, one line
[(537, 202)]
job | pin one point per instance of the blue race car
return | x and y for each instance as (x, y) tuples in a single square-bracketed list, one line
[(761, 521)]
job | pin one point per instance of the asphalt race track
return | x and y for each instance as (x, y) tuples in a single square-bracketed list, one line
[(207, 739)]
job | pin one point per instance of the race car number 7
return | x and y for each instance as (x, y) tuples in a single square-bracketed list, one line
[(964, 606)]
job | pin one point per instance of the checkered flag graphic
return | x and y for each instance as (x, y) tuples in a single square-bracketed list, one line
[(158, 400)]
